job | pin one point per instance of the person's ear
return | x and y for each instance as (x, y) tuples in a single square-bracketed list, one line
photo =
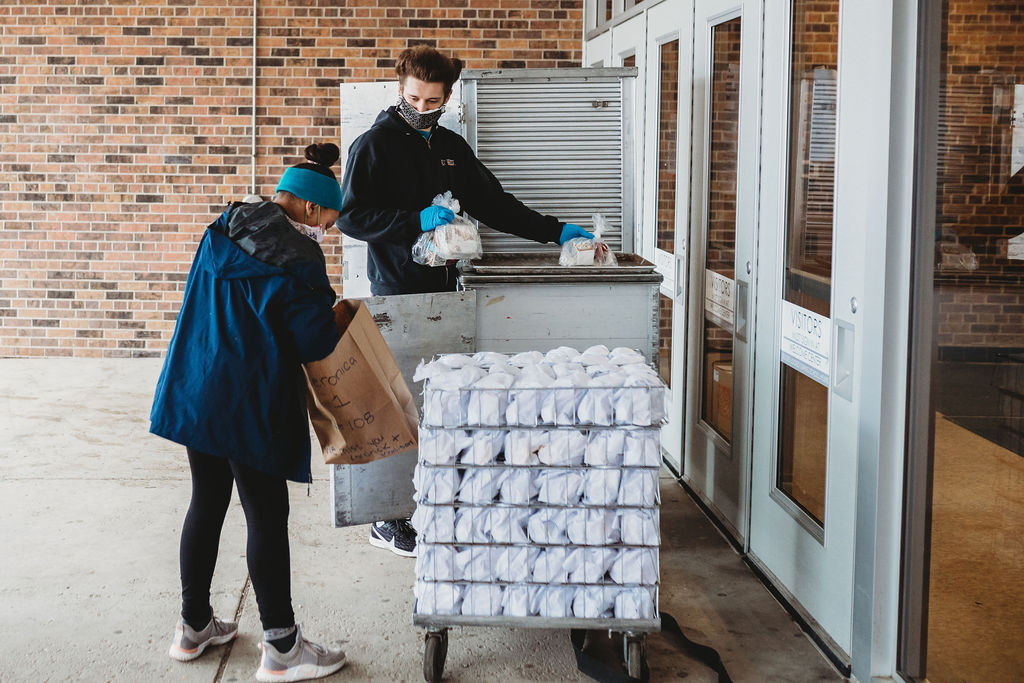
[(447, 97)]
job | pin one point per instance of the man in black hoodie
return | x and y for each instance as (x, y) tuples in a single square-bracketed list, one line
[(395, 170)]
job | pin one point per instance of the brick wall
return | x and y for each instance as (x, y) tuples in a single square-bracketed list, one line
[(980, 204), (668, 111), (125, 128)]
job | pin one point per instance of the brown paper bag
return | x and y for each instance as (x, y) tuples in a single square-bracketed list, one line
[(359, 404)]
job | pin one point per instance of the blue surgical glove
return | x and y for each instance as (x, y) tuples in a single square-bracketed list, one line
[(570, 230), (435, 216)]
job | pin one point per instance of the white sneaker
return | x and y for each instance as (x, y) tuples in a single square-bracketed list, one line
[(303, 662), (189, 643)]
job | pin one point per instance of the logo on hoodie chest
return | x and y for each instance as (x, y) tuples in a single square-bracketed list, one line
[(448, 162)]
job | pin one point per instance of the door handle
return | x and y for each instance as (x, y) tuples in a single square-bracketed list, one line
[(842, 371), (741, 310)]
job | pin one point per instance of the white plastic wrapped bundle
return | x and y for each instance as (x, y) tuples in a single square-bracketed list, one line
[(482, 600), (592, 526), (481, 486), (435, 562), (605, 447), (550, 566), (521, 446), (434, 524), (642, 448), (475, 563), (594, 355), (597, 404), (513, 563), (562, 354), (639, 487), (563, 447), (442, 446), (635, 565), (508, 525), (552, 601), (568, 369), (437, 598), (515, 601), (561, 400), (445, 399), (527, 394), (527, 358), (600, 369), (634, 603), (547, 526), (621, 355), (442, 365), (519, 487), (484, 446), (639, 527), (589, 565), (488, 399), (641, 401), (436, 485), (486, 359), (472, 525), (593, 602), (601, 486), (560, 487)]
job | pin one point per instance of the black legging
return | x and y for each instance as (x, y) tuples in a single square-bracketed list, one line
[(265, 502)]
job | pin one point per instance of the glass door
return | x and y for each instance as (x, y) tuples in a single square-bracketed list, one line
[(721, 258), (810, 270), (666, 166), (963, 581)]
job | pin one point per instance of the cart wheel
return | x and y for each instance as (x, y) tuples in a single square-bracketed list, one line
[(435, 651), (636, 657)]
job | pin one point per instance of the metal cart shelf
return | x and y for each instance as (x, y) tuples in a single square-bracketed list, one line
[(602, 582)]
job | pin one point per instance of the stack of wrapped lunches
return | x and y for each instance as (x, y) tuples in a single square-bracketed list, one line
[(537, 485)]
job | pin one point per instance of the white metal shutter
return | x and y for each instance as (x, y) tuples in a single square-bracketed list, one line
[(559, 143)]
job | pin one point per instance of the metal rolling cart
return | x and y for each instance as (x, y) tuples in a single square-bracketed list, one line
[(523, 521)]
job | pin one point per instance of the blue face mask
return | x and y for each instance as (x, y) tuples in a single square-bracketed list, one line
[(419, 120)]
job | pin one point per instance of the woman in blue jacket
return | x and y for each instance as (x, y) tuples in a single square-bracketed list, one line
[(257, 306)]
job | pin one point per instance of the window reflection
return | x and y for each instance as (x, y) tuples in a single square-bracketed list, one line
[(975, 596), (720, 250), (667, 131), (803, 411)]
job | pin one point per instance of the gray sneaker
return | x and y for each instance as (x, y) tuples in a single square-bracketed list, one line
[(303, 662), (189, 643)]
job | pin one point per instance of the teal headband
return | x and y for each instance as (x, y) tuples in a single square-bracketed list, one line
[(311, 186)]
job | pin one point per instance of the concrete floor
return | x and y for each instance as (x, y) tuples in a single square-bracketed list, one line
[(91, 507)]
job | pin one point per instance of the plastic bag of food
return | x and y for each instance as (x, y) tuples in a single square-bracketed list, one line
[(581, 251), (452, 241)]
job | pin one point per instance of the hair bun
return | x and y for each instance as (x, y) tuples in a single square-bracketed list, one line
[(323, 153)]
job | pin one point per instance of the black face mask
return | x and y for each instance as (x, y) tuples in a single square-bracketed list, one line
[(420, 121)]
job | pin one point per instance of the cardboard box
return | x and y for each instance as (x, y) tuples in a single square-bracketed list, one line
[(722, 398), (711, 358)]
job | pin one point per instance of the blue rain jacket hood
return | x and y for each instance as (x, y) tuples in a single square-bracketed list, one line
[(257, 305)]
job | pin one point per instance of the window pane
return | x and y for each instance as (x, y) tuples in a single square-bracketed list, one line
[(667, 130), (720, 254), (976, 560), (803, 412)]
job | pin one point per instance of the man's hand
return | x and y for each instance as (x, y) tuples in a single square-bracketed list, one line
[(570, 230), (434, 217)]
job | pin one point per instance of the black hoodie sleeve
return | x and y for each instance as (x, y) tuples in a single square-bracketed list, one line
[(365, 212), (488, 202)]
